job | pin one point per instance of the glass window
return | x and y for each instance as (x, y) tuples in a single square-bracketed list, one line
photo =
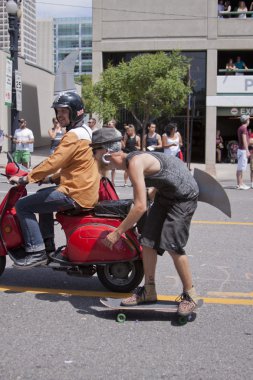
[(68, 30)]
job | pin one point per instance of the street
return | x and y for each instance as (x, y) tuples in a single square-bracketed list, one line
[(54, 327)]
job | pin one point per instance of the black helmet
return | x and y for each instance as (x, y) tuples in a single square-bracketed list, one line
[(73, 102)]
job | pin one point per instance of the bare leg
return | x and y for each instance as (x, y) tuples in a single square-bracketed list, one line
[(149, 264), (239, 177), (148, 292), (182, 266)]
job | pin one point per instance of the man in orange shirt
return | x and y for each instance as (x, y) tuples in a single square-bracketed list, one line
[(73, 168)]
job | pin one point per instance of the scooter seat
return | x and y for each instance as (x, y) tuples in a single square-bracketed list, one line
[(113, 208)]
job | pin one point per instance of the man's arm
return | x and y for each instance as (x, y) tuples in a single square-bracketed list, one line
[(144, 142), (136, 175), (138, 143), (56, 161), (159, 142)]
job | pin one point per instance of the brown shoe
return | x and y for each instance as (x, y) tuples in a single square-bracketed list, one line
[(142, 295), (188, 302)]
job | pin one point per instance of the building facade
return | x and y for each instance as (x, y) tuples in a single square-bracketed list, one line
[(45, 44), (72, 34), (27, 39), (194, 28)]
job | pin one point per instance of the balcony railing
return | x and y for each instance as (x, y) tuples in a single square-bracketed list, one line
[(248, 14), (226, 71)]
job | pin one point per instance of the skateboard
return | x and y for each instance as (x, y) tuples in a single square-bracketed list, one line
[(159, 306)]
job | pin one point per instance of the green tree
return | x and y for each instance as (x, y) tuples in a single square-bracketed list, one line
[(149, 86)]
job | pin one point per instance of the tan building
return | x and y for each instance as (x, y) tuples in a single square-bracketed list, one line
[(122, 29), (37, 98), (45, 44)]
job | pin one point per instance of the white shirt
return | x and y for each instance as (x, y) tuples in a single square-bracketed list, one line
[(23, 135), (174, 149)]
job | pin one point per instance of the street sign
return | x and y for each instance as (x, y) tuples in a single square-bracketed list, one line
[(18, 87), (8, 83)]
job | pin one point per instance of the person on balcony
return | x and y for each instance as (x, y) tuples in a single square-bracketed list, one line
[(220, 8), (230, 67), (242, 9), (227, 8), (240, 65)]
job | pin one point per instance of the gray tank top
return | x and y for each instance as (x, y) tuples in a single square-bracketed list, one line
[(174, 180)]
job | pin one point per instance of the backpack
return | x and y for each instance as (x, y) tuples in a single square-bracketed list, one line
[(106, 190)]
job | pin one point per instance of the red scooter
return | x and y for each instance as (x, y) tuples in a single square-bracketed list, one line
[(119, 270)]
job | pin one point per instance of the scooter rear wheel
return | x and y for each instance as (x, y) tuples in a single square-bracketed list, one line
[(2, 264), (121, 277)]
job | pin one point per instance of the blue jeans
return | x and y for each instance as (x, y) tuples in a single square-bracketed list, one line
[(45, 202)]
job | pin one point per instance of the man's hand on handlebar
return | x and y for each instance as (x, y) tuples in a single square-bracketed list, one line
[(15, 180)]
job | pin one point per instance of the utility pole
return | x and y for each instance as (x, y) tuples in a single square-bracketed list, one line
[(14, 14)]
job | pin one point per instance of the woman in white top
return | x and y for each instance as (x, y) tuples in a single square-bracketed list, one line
[(241, 9), (171, 140)]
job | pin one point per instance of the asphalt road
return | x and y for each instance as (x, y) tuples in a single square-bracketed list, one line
[(54, 327)]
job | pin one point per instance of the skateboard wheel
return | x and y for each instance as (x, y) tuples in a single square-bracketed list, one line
[(121, 318), (182, 320)]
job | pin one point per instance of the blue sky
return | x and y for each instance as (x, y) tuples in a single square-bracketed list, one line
[(63, 8)]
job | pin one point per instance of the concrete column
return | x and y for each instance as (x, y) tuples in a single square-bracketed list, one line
[(212, 22), (210, 140), (97, 65), (211, 89)]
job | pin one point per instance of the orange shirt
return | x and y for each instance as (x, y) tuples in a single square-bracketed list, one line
[(74, 164)]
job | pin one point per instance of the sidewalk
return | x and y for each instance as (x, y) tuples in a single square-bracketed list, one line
[(222, 172)]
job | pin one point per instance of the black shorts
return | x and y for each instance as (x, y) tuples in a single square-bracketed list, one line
[(167, 225)]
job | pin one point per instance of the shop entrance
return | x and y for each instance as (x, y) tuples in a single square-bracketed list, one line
[(227, 126)]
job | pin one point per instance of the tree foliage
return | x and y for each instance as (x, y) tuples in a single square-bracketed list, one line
[(149, 86)]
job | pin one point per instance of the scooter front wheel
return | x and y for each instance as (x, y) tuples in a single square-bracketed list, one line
[(121, 277), (2, 264)]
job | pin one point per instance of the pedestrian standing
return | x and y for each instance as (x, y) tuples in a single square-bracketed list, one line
[(92, 124), (24, 139), (112, 124), (152, 140), (243, 151), (172, 140), (131, 143), (251, 156), (56, 134)]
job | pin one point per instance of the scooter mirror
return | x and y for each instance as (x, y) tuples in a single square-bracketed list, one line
[(9, 157)]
